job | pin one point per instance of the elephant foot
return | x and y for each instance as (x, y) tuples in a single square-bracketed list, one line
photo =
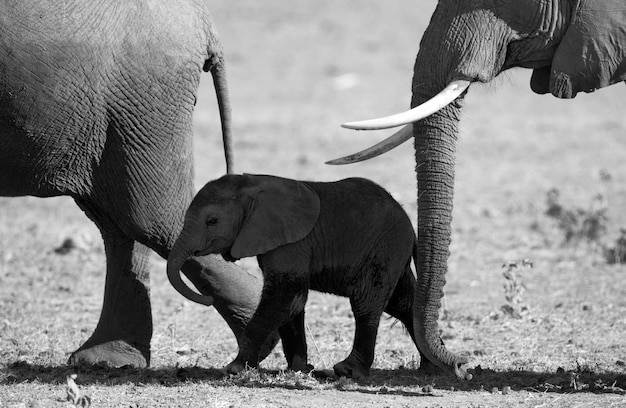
[(115, 354), (237, 365), (429, 368), (300, 364), (459, 368), (351, 368)]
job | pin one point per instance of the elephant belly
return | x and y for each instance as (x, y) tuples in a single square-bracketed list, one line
[(38, 166), (350, 281), (48, 138)]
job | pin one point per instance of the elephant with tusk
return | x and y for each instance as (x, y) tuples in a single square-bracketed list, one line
[(572, 46)]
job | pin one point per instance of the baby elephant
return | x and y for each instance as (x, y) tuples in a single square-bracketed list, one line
[(348, 237)]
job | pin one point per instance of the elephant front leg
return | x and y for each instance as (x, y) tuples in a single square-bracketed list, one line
[(277, 307), (293, 337), (236, 293), (122, 336)]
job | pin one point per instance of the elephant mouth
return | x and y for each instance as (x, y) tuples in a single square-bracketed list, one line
[(203, 252), (212, 250)]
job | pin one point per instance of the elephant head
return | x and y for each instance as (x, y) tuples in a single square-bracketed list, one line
[(572, 46), (240, 216)]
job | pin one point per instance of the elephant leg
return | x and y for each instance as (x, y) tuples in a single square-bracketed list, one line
[(357, 364), (236, 293), (293, 337), (400, 306), (367, 309), (122, 336), (278, 305)]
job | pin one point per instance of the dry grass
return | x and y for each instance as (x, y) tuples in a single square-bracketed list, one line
[(296, 72)]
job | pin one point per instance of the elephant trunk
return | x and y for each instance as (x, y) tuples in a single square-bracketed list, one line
[(439, 62), (435, 145), (180, 253)]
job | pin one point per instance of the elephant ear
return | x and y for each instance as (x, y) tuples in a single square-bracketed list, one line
[(592, 53), (279, 211)]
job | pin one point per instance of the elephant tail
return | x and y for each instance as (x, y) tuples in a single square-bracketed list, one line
[(215, 64)]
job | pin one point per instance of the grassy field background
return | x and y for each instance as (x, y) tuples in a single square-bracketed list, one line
[(296, 72)]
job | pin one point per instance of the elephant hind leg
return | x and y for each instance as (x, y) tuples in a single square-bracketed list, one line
[(368, 307), (400, 306), (122, 336), (357, 364)]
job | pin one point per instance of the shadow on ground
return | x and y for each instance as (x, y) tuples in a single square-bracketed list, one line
[(400, 381)]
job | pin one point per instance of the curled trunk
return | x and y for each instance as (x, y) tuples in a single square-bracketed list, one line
[(234, 292), (180, 253)]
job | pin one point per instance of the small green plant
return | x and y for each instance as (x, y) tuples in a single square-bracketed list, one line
[(514, 288)]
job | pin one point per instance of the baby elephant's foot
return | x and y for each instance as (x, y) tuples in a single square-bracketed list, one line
[(236, 366), (300, 364), (351, 368)]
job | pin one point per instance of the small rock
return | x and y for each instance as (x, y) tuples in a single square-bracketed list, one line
[(494, 390), (428, 389), (65, 248), (506, 389)]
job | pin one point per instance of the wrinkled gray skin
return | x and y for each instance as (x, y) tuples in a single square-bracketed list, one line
[(96, 102), (349, 238), (572, 46)]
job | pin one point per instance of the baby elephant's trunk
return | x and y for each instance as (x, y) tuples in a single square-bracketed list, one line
[(179, 254)]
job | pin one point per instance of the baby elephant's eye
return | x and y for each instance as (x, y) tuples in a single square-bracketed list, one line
[(211, 221)]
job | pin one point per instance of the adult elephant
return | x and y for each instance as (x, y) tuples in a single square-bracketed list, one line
[(572, 46), (96, 102)]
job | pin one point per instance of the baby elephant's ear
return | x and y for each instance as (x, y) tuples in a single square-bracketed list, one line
[(279, 211)]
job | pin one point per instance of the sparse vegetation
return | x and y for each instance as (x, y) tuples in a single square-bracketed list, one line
[(588, 225), (616, 253), (579, 225), (514, 288)]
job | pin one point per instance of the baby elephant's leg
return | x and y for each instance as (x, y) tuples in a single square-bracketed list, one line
[(367, 318), (277, 306), (400, 306), (293, 337)]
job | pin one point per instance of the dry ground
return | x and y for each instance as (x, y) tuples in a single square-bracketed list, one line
[(297, 70)]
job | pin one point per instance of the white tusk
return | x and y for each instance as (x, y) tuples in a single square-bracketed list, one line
[(391, 142), (437, 102)]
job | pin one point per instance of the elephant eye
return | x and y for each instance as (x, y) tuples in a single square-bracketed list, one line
[(211, 221)]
